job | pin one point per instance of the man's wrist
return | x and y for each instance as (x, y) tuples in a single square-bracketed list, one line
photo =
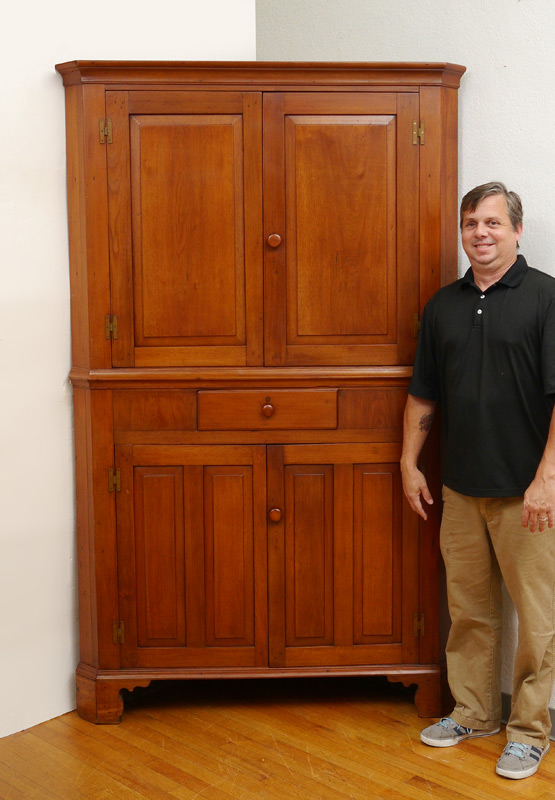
[(546, 472)]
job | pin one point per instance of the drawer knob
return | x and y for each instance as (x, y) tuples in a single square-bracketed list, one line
[(268, 409), (275, 514), (274, 240)]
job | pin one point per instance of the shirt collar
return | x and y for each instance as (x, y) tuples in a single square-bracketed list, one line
[(513, 277)]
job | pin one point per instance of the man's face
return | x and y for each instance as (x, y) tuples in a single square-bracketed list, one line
[(488, 237)]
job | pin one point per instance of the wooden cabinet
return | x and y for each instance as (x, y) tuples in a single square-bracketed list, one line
[(250, 246)]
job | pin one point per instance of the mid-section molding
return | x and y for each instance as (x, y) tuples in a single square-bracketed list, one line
[(216, 377)]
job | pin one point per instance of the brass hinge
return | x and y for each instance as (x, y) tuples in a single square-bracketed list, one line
[(114, 480), (416, 326), (105, 130), (111, 326), (417, 132), (419, 625), (118, 632)]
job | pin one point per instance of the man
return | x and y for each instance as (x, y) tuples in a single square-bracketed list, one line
[(486, 352)]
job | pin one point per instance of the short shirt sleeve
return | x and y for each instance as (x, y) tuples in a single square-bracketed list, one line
[(425, 380)]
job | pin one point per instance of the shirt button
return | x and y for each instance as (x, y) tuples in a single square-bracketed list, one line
[(482, 296), (479, 311)]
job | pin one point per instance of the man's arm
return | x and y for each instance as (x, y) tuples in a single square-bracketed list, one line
[(538, 512), (419, 414)]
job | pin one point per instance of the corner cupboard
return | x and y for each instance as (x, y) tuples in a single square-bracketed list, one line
[(251, 245)]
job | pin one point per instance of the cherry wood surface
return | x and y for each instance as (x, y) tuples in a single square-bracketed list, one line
[(294, 409), (261, 239), (191, 553), (334, 283), (348, 594), (268, 73), (184, 182)]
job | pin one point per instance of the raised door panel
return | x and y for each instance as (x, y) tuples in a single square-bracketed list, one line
[(229, 556), (308, 555), (184, 190), (159, 554), (341, 190), (377, 549), (343, 557), (192, 556)]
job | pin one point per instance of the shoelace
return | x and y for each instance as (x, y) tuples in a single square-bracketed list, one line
[(446, 722), (516, 749)]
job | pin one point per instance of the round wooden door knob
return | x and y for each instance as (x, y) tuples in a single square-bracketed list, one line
[(275, 514), (274, 240), (268, 409)]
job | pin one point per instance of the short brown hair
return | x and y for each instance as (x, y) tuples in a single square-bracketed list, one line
[(476, 195)]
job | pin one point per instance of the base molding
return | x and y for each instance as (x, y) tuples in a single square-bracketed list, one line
[(99, 691)]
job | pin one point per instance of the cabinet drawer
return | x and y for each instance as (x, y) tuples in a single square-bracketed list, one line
[(376, 409), (277, 409), (154, 410)]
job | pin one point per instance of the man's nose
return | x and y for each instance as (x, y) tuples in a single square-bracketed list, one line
[(481, 229)]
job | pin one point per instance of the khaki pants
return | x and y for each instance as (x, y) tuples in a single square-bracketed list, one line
[(483, 542)]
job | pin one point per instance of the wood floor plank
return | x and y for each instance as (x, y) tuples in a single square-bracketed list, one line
[(37, 775), (172, 760), (296, 754), (389, 759), (123, 764), (70, 777), (352, 777), (15, 785), (213, 743), (280, 761), (273, 758), (363, 767), (355, 739), (198, 752), (271, 751)]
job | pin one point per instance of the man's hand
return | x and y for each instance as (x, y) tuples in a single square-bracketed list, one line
[(416, 489), (538, 511)]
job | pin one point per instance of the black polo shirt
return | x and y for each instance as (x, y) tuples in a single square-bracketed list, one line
[(489, 359)]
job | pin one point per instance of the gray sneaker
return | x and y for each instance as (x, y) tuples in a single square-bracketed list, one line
[(447, 733), (520, 760)]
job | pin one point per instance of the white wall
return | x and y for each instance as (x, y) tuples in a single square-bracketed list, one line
[(38, 632), (506, 100)]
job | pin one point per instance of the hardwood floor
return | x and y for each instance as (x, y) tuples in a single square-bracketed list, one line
[(286, 739)]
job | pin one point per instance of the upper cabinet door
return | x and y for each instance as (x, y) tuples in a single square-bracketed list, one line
[(185, 211), (341, 190)]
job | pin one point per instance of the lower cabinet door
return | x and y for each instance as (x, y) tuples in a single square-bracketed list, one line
[(343, 557), (192, 559)]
